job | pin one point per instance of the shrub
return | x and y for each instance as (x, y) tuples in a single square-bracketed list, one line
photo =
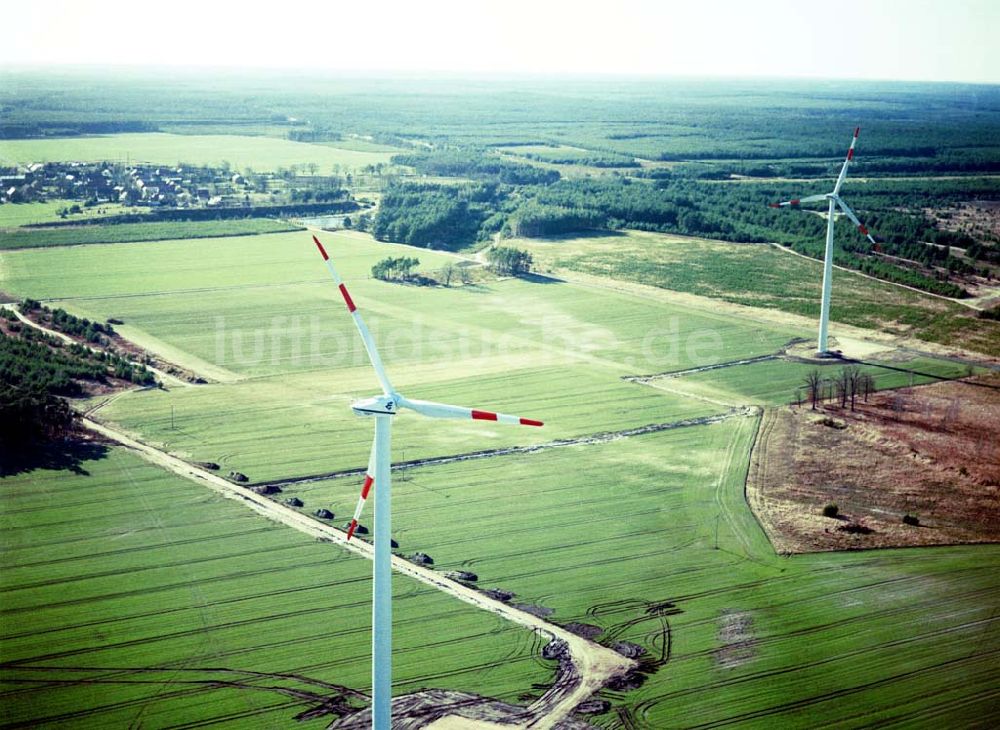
[(911, 520), (856, 528), (831, 510)]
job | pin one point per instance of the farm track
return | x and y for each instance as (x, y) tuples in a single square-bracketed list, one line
[(702, 369), (593, 665), (969, 304), (599, 438)]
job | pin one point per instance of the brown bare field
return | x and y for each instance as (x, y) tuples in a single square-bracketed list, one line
[(932, 452)]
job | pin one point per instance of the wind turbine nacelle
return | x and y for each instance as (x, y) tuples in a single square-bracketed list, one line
[(379, 405)]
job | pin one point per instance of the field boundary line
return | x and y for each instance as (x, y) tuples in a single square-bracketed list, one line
[(595, 665), (594, 439)]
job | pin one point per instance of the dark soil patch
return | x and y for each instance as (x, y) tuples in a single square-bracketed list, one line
[(931, 452), (587, 631), (628, 649), (540, 611), (499, 594)]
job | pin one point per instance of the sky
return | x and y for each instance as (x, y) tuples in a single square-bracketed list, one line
[(920, 40)]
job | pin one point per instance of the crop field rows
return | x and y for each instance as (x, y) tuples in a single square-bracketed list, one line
[(133, 596), (647, 539)]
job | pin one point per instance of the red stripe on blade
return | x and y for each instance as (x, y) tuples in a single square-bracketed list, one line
[(321, 249), (484, 415), (366, 486), (529, 422), (857, 131), (850, 153), (774, 205), (864, 231), (347, 298), (352, 528), (793, 202)]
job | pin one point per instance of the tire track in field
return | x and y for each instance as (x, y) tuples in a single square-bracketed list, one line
[(593, 665), (933, 669), (136, 548), (793, 668)]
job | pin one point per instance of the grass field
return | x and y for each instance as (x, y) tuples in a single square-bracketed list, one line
[(13, 215), (623, 536), (257, 153), (775, 382), (132, 597), (763, 276), (647, 537), (130, 232)]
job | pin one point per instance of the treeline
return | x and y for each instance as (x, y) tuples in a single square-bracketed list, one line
[(740, 213), (70, 324), (452, 216), (476, 164), (27, 130), (595, 160), (341, 203)]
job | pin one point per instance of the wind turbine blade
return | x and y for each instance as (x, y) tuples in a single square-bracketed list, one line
[(850, 157), (854, 219), (795, 203), (443, 410), (366, 336), (365, 488)]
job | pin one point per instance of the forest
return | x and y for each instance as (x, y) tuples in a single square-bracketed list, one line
[(458, 215), (662, 152)]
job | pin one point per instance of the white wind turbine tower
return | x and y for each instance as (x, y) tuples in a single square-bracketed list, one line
[(383, 408), (834, 200)]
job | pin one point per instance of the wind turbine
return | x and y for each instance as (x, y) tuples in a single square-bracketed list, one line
[(834, 200), (383, 408)]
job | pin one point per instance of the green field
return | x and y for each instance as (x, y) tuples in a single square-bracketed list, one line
[(130, 232), (13, 215), (257, 153), (763, 276), (603, 534), (775, 382), (133, 597), (647, 537)]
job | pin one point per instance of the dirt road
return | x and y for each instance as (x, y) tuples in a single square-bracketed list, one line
[(165, 377), (594, 664)]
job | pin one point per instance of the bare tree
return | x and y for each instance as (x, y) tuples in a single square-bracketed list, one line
[(840, 387), (898, 403), (447, 273), (854, 384), (842, 384), (867, 385), (813, 383)]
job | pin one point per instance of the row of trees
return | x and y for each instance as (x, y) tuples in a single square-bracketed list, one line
[(61, 320), (846, 386)]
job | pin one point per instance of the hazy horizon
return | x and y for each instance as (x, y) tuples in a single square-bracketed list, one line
[(885, 40)]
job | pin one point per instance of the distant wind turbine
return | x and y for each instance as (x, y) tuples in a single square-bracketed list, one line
[(383, 408), (834, 201)]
